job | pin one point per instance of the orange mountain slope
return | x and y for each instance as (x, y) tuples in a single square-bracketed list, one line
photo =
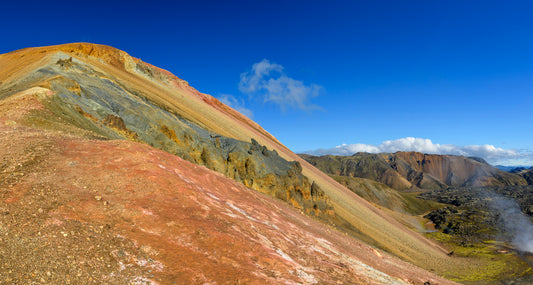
[(63, 71)]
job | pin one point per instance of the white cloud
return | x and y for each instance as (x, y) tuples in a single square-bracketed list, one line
[(268, 80), (490, 153), (236, 104)]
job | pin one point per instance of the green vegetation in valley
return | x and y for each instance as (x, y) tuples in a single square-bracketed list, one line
[(382, 195), (491, 261)]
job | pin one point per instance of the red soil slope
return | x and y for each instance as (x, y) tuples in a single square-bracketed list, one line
[(90, 211)]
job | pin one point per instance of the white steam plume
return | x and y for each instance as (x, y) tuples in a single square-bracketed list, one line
[(514, 223)]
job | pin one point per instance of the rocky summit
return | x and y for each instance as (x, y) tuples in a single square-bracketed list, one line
[(115, 171)]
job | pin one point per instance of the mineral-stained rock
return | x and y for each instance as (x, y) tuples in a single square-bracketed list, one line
[(106, 107)]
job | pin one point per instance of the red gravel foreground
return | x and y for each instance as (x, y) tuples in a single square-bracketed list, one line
[(123, 211)]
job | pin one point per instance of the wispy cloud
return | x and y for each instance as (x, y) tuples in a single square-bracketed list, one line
[(236, 104), (490, 153), (268, 81)]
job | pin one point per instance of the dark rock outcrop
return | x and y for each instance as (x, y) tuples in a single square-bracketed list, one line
[(475, 213)]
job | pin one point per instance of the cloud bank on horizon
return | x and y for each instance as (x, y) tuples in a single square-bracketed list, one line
[(268, 81), (490, 153)]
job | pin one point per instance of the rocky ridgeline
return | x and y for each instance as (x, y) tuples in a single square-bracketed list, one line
[(93, 101), (249, 163)]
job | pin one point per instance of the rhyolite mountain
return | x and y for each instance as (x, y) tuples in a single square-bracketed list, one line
[(113, 170), (91, 100), (414, 171)]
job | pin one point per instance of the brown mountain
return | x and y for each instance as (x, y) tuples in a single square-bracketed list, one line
[(414, 171)]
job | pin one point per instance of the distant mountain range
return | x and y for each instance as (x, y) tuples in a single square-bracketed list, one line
[(512, 168), (476, 209), (413, 171)]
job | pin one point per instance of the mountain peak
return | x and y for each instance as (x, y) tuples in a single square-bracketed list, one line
[(170, 90), (105, 54), (92, 93)]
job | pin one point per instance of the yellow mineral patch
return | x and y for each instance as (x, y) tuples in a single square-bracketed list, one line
[(40, 92)]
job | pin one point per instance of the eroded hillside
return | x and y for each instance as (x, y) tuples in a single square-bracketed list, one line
[(97, 93), (91, 100)]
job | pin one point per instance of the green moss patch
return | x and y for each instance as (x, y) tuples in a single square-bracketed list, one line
[(488, 261)]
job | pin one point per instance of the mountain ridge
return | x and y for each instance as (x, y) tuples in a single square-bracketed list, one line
[(186, 104), (93, 92)]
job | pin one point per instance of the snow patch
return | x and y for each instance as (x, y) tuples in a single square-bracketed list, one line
[(285, 256), (270, 225), (213, 196), (241, 211), (177, 172)]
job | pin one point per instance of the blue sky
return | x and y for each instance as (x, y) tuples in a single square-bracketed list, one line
[(434, 76)]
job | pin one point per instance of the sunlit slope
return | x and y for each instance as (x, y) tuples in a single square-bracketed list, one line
[(157, 85), (163, 89)]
